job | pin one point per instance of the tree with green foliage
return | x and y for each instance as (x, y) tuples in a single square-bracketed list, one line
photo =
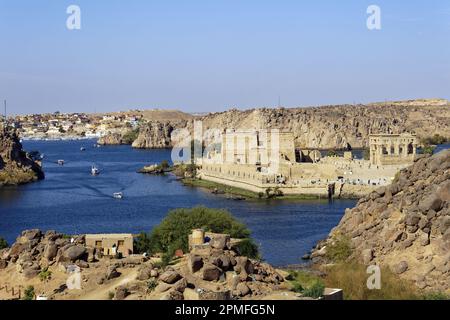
[(141, 243), (428, 150), (3, 244), (130, 136), (172, 233), (248, 248)]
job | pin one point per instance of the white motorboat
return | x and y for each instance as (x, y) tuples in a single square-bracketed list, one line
[(118, 195), (82, 149), (95, 171), (61, 162)]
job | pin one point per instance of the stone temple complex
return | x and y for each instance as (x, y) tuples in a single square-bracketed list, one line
[(257, 160)]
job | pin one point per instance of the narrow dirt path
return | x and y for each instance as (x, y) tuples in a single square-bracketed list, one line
[(102, 292)]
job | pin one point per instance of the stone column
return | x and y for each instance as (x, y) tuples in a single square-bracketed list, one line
[(224, 148)]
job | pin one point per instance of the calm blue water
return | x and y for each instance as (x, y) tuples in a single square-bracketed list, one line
[(72, 201)]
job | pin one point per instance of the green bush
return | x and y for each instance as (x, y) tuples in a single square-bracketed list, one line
[(248, 248), (297, 287), (28, 293), (45, 274), (428, 149), (306, 283), (3, 244), (315, 290), (130, 136), (339, 250), (172, 233)]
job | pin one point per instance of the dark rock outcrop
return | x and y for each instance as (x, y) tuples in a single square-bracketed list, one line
[(16, 166)]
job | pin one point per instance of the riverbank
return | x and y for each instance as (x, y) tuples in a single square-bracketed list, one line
[(218, 188)]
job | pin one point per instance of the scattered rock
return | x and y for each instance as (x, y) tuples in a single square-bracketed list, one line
[(112, 273), (432, 202), (220, 241), (243, 289), (401, 267), (51, 249), (121, 293), (211, 273), (170, 277), (74, 253), (145, 273)]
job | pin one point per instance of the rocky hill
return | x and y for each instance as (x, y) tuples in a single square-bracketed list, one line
[(159, 134), (16, 166), (405, 226), (327, 127), (213, 272)]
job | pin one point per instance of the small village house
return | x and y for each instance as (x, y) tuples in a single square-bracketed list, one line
[(111, 244)]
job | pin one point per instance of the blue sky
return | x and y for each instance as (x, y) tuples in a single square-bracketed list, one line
[(204, 55)]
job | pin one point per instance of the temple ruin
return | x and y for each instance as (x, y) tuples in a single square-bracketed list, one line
[(392, 149), (258, 160)]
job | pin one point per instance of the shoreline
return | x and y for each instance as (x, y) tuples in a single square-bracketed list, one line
[(69, 138), (247, 194)]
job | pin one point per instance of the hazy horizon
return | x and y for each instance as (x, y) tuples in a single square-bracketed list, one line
[(208, 56)]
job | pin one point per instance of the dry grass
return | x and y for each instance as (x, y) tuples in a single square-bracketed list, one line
[(352, 278)]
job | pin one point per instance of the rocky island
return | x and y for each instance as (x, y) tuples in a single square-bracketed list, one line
[(16, 165)]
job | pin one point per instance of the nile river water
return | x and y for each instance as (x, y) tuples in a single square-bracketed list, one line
[(72, 201)]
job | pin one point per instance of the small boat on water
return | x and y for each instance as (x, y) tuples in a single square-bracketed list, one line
[(82, 149), (118, 195), (61, 162), (95, 171)]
